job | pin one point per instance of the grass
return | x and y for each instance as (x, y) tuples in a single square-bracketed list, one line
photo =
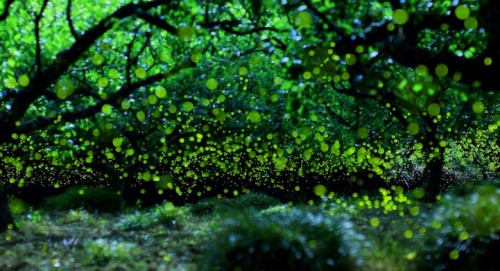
[(388, 231)]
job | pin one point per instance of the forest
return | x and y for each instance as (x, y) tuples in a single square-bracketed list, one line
[(249, 135)]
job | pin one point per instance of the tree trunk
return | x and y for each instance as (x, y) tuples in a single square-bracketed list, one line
[(433, 178), (6, 219)]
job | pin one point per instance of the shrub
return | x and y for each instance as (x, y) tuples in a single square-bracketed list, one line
[(99, 199), (251, 201), (467, 231), (295, 240)]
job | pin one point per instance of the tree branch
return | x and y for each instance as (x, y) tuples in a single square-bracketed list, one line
[(6, 8), (335, 116), (38, 18), (115, 99), (158, 22), (70, 21), (68, 57)]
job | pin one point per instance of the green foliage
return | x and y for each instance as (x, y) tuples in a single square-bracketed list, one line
[(99, 199), (296, 240)]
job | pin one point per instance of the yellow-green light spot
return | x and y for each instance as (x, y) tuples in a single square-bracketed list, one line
[(463, 236), (434, 109), (211, 83), (441, 70), (478, 107), (140, 73), (320, 190), (471, 23), (254, 116), (97, 59), (408, 234), (307, 75), (462, 12), (113, 73), (400, 16), (188, 106), (374, 222), (102, 82), (64, 89), (172, 109), (487, 61), (422, 70), (141, 116), (185, 32), (160, 92), (418, 87), (23, 80), (303, 19), (117, 142), (413, 128), (436, 224), (411, 255), (126, 104), (106, 109), (278, 80), (152, 99), (414, 211), (221, 98), (362, 133), (454, 254), (243, 70), (280, 163), (351, 59), (10, 82)]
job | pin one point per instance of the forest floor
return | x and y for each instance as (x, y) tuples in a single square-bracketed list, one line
[(388, 231)]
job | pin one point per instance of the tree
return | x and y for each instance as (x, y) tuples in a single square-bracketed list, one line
[(197, 98), (426, 66), (63, 70)]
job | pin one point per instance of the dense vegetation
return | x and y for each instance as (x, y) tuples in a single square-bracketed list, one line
[(301, 99)]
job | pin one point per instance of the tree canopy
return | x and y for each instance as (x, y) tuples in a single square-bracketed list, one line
[(187, 99)]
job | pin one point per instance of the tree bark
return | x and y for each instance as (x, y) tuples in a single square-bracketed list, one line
[(433, 178)]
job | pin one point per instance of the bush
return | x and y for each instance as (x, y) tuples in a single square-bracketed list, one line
[(295, 240), (98, 199), (251, 201), (467, 231)]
